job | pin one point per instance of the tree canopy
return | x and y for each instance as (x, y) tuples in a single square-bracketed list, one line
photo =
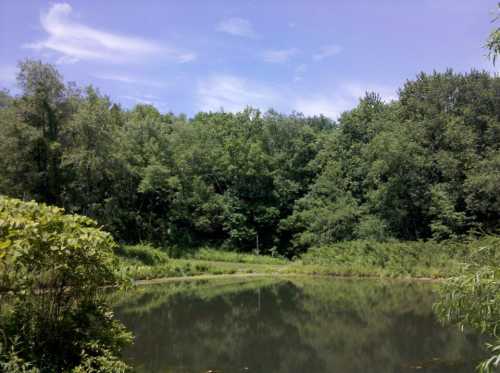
[(423, 166)]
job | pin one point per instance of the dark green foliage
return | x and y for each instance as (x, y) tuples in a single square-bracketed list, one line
[(226, 179), (425, 166), (52, 265)]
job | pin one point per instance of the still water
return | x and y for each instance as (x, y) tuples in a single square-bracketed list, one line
[(291, 325)]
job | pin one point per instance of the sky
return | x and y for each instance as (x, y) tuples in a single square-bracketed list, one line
[(315, 56)]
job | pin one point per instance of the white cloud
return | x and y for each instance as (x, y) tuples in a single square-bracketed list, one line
[(238, 27), (327, 51), (128, 79), (233, 94), (346, 97), (75, 41), (279, 56)]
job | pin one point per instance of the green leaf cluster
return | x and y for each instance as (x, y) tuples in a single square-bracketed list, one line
[(52, 269)]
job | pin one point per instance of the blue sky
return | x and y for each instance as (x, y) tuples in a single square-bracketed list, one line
[(313, 56)]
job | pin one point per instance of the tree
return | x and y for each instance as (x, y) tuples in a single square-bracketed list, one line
[(89, 158), (493, 43), (43, 106)]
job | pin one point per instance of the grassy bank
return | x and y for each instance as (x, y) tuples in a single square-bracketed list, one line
[(385, 259), (354, 258), (144, 262)]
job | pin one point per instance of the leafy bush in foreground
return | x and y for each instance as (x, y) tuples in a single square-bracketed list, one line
[(473, 298), (52, 266)]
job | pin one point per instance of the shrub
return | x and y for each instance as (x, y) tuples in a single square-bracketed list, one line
[(472, 299), (395, 258), (52, 267), (144, 253), (212, 254)]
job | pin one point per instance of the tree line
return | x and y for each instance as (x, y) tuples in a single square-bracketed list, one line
[(425, 166)]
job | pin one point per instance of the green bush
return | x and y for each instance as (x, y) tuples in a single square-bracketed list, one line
[(472, 299), (144, 253), (52, 268), (235, 257), (393, 258)]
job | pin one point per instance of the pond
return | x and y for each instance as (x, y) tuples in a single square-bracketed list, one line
[(291, 325)]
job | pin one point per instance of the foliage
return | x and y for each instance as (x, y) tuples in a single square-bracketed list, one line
[(493, 42), (52, 267), (10, 362), (392, 258), (472, 299), (143, 253), (424, 166), (235, 257)]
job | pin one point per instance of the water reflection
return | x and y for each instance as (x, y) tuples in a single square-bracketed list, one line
[(293, 325)]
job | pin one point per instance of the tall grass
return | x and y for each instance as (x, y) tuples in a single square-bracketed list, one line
[(393, 258)]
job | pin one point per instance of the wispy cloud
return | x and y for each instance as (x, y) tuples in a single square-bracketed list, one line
[(129, 80), (345, 97), (280, 55), (238, 27), (327, 51), (75, 41), (232, 93)]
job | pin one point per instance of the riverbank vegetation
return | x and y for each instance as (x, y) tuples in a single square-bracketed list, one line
[(362, 258), (472, 299), (402, 188), (143, 262), (53, 264)]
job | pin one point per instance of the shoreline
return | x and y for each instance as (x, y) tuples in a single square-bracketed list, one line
[(163, 280)]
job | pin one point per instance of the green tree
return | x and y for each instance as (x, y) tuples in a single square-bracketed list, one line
[(44, 107), (493, 43)]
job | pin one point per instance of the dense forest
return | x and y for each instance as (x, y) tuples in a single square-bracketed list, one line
[(426, 166)]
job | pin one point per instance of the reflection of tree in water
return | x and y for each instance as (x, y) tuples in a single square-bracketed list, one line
[(377, 327), (299, 326)]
